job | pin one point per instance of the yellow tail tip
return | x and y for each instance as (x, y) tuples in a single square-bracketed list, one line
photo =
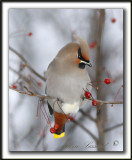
[(59, 135)]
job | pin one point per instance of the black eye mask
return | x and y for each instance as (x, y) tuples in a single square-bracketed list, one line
[(84, 62), (80, 56)]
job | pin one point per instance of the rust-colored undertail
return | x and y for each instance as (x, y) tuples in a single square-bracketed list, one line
[(60, 119)]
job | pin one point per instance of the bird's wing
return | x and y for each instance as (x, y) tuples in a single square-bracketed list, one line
[(50, 109), (50, 67)]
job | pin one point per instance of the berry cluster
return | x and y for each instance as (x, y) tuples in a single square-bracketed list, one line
[(89, 95), (53, 130)]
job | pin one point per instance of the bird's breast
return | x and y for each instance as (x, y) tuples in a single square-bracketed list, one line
[(67, 88)]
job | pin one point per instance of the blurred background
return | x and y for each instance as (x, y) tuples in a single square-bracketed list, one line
[(38, 35)]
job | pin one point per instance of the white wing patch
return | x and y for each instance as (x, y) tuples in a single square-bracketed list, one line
[(70, 108)]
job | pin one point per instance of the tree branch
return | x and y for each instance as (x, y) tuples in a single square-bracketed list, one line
[(85, 129), (88, 116), (30, 93), (114, 127), (106, 102), (26, 63), (19, 74), (100, 115)]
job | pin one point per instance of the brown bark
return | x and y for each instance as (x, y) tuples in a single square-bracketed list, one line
[(100, 113)]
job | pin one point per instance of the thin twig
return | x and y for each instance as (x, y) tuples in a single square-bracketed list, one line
[(19, 74), (88, 116), (114, 127), (29, 93), (29, 82), (38, 142), (26, 63), (85, 129), (26, 136), (106, 102)]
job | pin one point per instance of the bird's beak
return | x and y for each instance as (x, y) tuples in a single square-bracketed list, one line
[(87, 63)]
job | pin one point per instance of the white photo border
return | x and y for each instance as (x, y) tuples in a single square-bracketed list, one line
[(127, 105)]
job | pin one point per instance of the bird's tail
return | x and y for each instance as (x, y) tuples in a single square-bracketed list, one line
[(60, 119), (60, 134)]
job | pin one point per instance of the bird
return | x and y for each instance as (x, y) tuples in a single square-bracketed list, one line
[(66, 80)]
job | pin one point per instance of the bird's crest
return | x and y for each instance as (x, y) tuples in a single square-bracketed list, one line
[(83, 45)]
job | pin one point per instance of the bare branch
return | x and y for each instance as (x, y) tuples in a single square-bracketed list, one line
[(88, 116), (100, 118), (28, 134), (29, 93), (38, 142), (106, 102), (114, 127), (27, 64), (118, 77), (85, 129), (20, 75)]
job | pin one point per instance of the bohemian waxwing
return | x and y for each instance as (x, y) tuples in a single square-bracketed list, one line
[(66, 80)]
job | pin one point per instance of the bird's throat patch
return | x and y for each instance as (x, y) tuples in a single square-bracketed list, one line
[(81, 65)]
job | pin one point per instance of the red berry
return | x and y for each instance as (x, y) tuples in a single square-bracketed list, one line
[(52, 130), (92, 45), (39, 84), (88, 94), (107, 81), (113, 20), (94, 102), (30, 34), (56, 126), (14, 86)]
